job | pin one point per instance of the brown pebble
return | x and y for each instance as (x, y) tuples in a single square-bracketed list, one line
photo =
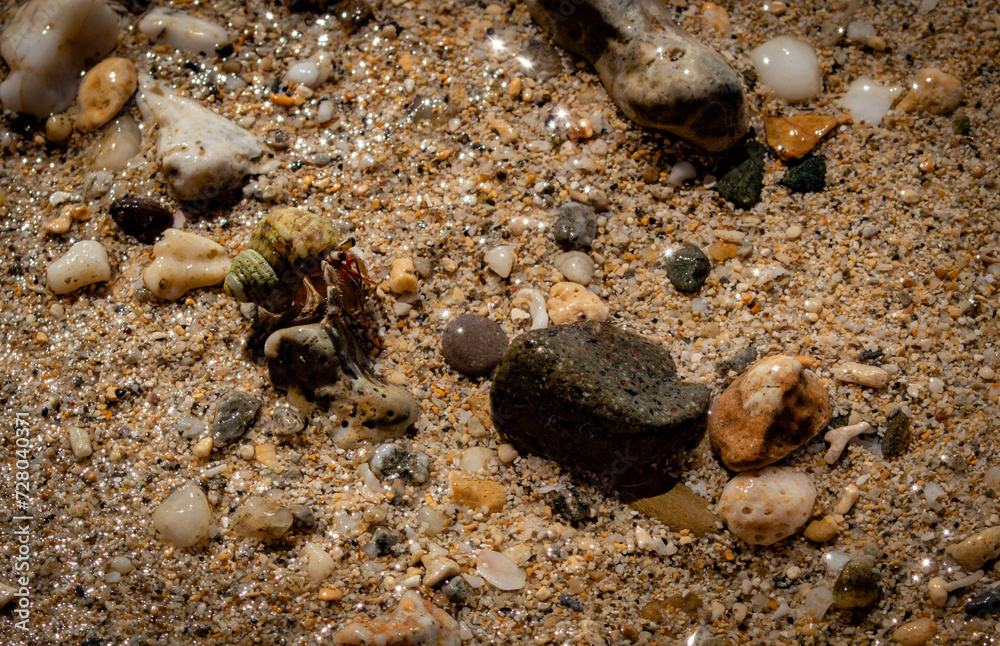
[(794, 137), (103, 92), (476, 493), (933, 90), (822, 530), (915, 632)]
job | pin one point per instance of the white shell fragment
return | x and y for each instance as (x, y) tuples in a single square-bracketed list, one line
[(183, 32), (536, 306), (840, 436), (47, 45), (788, 67), (860, 374), (79, 441), (867, 101), (184, 261), (84, 264), (201, 154), (499, 571), (185, 516)]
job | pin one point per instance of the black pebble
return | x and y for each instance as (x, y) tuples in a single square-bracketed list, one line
[(570, 602), (473, 345), (575, 226), (384, 541), (743, 181), (142, 218), (987, 603)]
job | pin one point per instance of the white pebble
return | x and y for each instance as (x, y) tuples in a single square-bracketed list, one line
[(932, 494), (319, 563), (475, 458), (184, 261), (681, 172), (575, 266), (79, 440), (182, 32), (936, 386), (788, 66), (647, 543), (311, 72), (860, 31), (867, 101), (500, 259), (861, 374), (438, 568), (499, 571), (793, 232), (839, 437), (937, 591), (764, 506), (84, 264), (185, 516), (121, 565), (506, 453), (119, 142), (817, 602)]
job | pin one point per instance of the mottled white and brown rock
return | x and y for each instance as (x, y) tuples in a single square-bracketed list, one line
[(770, 410), (104, 91), (976, 550), (763, 507), (414, 622), (933, 90), (654, 71)]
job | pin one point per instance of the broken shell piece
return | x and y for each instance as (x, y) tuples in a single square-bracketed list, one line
[(322, 363), (201, 153), (183, 32), (184, 261), (414, 621), (839, 437)]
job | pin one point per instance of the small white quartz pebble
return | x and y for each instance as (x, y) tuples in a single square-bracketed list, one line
[(793, 232), (840, 436), (681, 172), (764, 506), (867, 101), (575, 266), (475, 458), (438, 568), (79, 440), (85, 263), (182, 32), (499, 571), (861, 374), (506, 453), (500, 259), (312, 72), (185, 516), (319, 563), (788, 67)]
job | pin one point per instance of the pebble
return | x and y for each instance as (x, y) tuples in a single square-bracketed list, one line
[(765, 506), (937, 591), (58, 128), (185, 517), (203, 447), (594, 396), (183, 32), (403, 277), (575, 226), (789, 68), (319, 563), (437, 569), (141, 217), (79, 441), (121, 565), (987, 603), (234, 415), (868, 101), (688, 269), (312, 72), (575, 266), (500, 260), (506, 453), (103, 92), (60, 224), (47, 44), (857, 586), (182, 262), (860, 374), (120, 141), (323, 363), (681, 172), (539, 60), (693, 93), (499, 571), (743, 176), (822, 530), (794, 137), (933, 90), (840, 436), (976, 550), (414, 622), (85, 263), (897, 436), (767, 412), (572, 303), (391, 462), (915, 632), (472, 345), (715, 17), (571, 504), (261, 518), (598, 199), (201, 153), (288, 420), (477, 493), (809, 176), (457, 590)]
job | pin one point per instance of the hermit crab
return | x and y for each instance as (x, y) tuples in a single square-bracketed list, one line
[(296, 264)]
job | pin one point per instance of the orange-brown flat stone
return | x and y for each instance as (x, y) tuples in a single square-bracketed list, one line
[(793, 137), (770, 410)]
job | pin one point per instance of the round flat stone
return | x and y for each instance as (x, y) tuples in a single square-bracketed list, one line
[(473, 345), (594, 396)]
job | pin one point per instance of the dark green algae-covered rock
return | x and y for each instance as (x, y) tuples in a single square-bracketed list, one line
[(596, 397)]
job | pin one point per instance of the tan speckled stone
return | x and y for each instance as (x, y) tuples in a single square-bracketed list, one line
[(933, 90), (476, 493), (572, 303), (766, 413), (103, 92), (762, 507), (975, 551)]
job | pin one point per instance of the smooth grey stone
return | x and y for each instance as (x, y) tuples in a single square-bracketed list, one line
[(655, 72), (575, 226), (596, 397), (234, 416)]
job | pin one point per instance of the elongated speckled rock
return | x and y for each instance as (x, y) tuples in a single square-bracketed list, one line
[(655, 72), (596, 397)]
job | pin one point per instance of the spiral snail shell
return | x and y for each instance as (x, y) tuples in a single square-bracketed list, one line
[(290, 251)]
